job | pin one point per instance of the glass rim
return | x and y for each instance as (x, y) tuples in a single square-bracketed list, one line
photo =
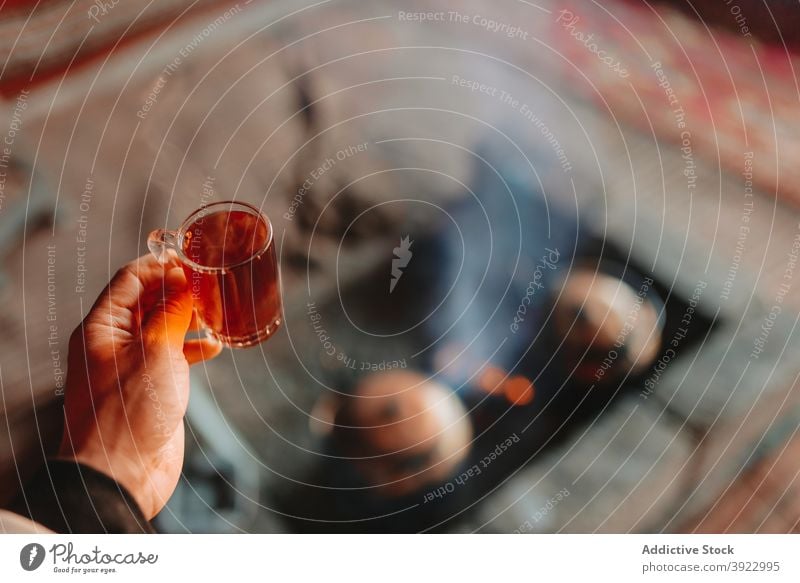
[(192, 218)]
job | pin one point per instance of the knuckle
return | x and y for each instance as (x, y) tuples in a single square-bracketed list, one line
[(123, 271), (122, 275)]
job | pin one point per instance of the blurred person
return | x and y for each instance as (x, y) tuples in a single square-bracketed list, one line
[(610, 328), (394, 438), (126, 394), (404, 430)]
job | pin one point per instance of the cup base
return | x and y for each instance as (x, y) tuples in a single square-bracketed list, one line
[(252, 339)]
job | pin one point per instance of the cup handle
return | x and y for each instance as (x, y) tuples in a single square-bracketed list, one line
[(160, 242)]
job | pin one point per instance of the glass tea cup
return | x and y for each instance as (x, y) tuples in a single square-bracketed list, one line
[(227, 251)]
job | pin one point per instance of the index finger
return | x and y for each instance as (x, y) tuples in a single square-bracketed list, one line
[(132, 281)]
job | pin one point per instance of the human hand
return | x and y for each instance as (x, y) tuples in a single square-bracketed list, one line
[(127, 385)]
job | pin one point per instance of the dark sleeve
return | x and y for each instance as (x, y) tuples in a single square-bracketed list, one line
[(68, 497)]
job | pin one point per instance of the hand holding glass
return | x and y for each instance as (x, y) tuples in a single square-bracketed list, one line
[(227, 251)]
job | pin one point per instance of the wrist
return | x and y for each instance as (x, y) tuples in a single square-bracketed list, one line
[(131, 479), (70, 497)]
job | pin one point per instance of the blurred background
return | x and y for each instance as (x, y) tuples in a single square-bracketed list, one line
[(538, 259)]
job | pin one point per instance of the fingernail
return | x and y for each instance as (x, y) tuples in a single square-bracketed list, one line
[(175, 277)]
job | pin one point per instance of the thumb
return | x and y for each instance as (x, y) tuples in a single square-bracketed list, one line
[(171, 314)]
